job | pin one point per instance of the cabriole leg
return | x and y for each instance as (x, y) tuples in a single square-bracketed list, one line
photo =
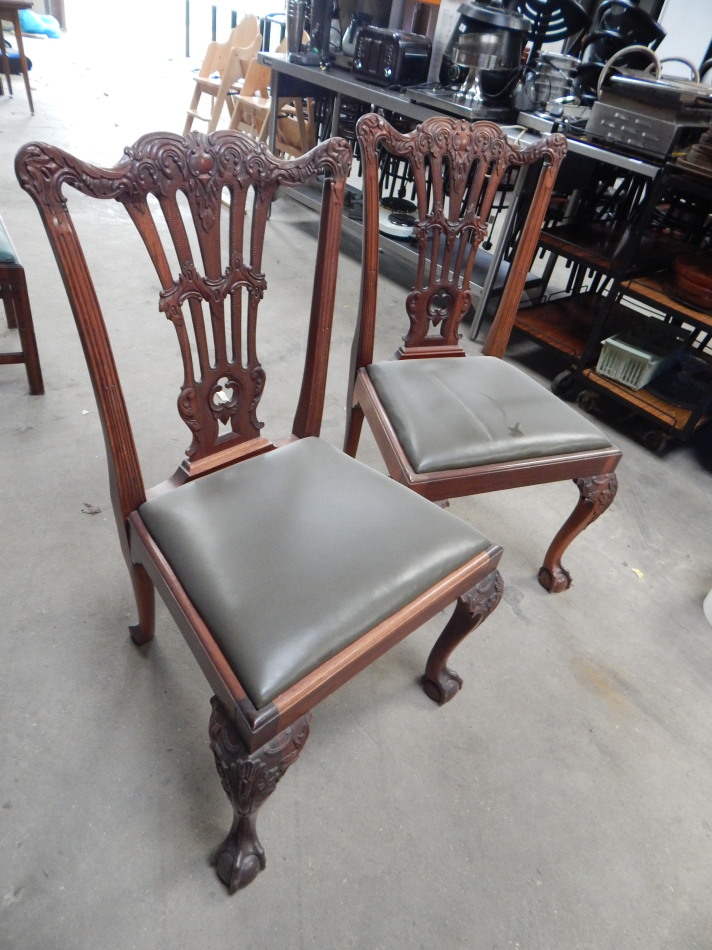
[(249, 778), (595, 495), (439, 682)]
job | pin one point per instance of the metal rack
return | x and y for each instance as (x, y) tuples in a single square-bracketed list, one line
[(295, 79), (617, 228)]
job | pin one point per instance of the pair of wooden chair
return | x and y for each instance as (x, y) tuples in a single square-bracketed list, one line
[(232, 79), (288, 566), (252, 105), (223, 71)]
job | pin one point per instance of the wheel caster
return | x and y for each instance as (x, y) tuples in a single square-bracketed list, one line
[(656, 440), (564, 385), (587, 400)]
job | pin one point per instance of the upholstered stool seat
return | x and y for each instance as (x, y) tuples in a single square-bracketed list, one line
[(7, 251), (252, 568), (457, 413)]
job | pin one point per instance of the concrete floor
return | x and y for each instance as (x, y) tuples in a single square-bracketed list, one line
[(562, 801)]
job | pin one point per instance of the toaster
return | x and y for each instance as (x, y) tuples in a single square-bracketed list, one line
[(391, 57)]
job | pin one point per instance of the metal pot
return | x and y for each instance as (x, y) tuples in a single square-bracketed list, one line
[(499, 50)]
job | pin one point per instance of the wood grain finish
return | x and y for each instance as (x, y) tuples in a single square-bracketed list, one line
[(457, 168)]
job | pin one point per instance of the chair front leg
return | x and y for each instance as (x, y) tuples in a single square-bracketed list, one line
[(249, 778), (143, 630), (472, 608), (595, 495), (354, 425)]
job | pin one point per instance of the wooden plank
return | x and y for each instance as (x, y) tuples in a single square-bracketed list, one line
[(675, 417), (566, 324), (655, 291)]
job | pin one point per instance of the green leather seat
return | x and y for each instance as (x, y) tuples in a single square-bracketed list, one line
[(7, 251), (306, 568), (462, 412)]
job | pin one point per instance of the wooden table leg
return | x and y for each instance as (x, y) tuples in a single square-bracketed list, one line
[(23, 60), (5, 62)]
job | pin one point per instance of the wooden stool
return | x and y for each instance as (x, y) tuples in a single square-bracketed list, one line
[(13, 290), (10, 10)]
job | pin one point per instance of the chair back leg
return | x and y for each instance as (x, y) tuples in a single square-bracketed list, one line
[(13, 288)]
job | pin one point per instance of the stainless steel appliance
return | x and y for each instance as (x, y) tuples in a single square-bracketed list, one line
[(486, 37), (391, 57), (656, 117), (546, 83), (481, 62), (358, 21)]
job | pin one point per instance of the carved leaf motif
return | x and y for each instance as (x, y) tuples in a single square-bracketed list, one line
[(250, 778), (190, 283), (598, 491), (482, 599)]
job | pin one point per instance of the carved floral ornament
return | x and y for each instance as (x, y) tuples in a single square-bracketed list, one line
[(443, 135)]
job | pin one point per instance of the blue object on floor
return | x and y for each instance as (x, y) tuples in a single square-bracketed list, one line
[(40, 23), (14, 60)]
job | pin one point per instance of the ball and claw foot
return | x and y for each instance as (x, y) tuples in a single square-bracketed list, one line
[(448, 684), (248, 779), (439, 682), (554, 581), (596, 494), (240, 858)]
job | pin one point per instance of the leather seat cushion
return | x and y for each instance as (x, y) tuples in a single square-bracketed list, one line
[(7, 253), (455, 413), (291, 556)]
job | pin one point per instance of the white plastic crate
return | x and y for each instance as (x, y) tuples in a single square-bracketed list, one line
[(634, 357)]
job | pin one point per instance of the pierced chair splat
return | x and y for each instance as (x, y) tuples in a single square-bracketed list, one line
[(448, 424), (288, 566)]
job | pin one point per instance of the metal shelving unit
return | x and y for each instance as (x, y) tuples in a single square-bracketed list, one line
[(295, 79), (619, 257)]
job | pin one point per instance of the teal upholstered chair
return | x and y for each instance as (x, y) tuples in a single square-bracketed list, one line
[(13, 290), (288, 566), (447, 424)]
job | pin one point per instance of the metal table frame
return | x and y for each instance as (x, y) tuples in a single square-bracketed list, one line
[(294, 79), (297, 79)]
